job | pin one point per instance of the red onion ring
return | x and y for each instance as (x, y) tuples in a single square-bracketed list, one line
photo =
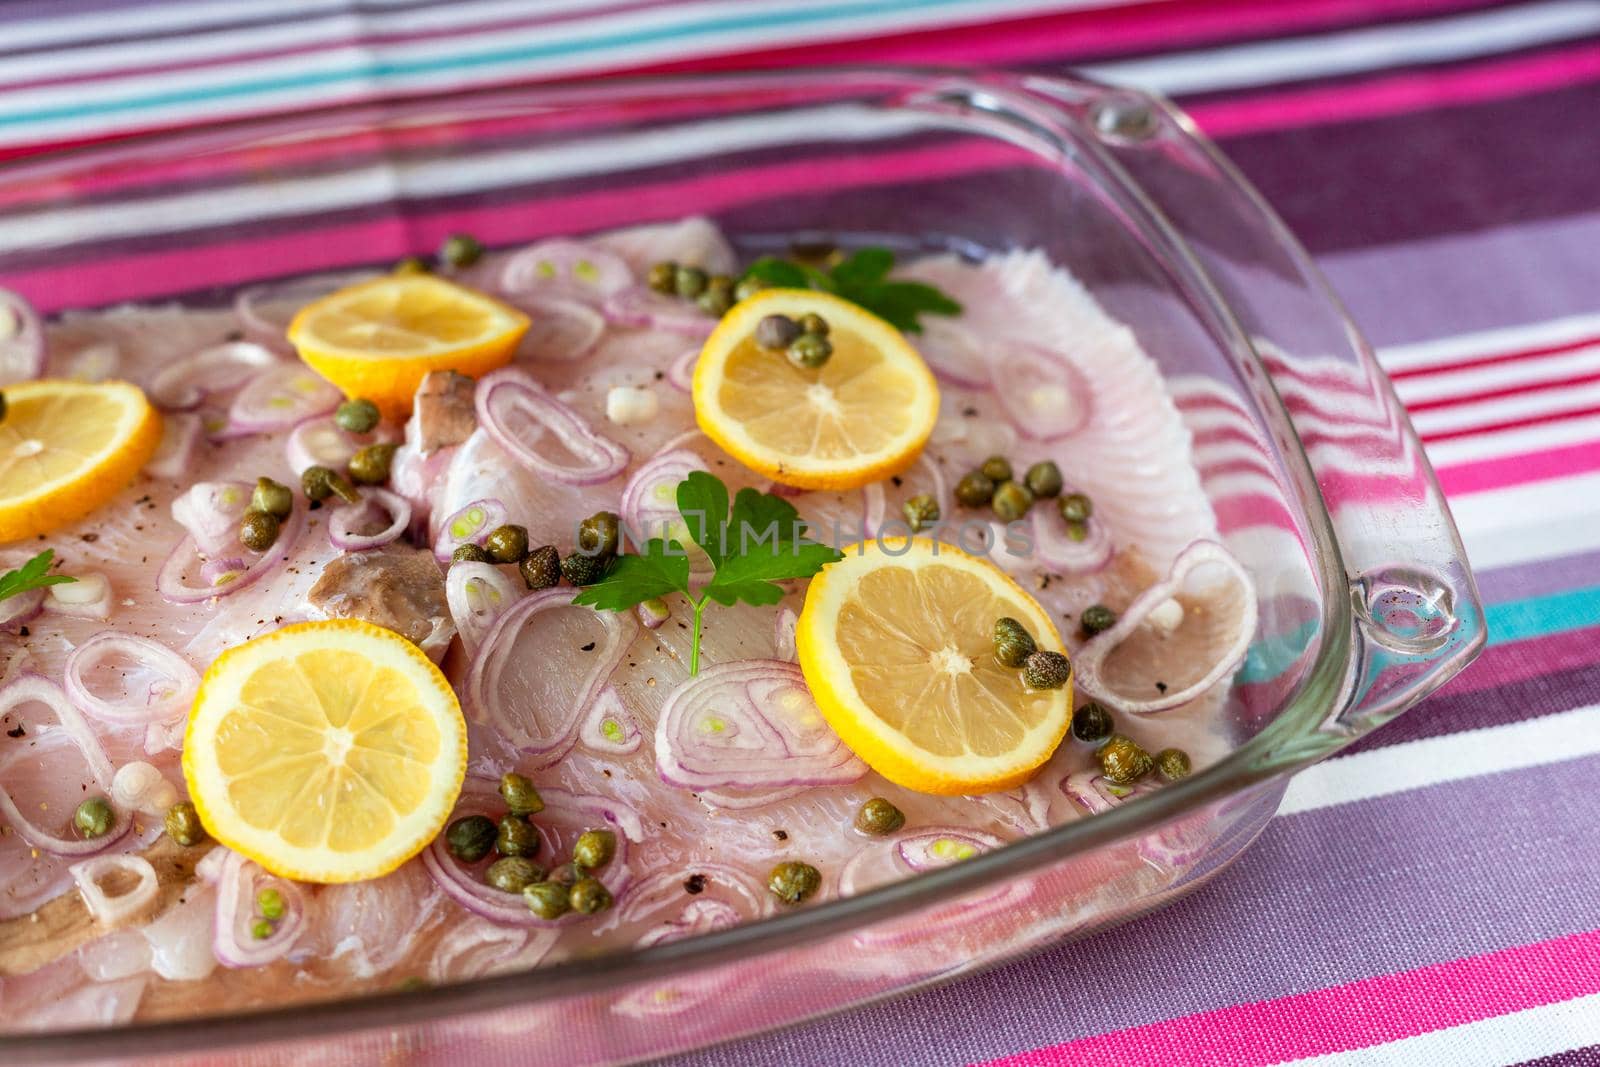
[(1090, 659), (783, 643), (1165, 846), (542, 731), (881, 862), (20, 608), (182, 384), (649, 504), (641, 307), (344, 516), (953, 352), (477, 595), (1056, 400), (161, 707), (565, 816), (510, 393), (749, 725), (175, 455), (727, 897), (211, 511), (1057, 551), (583, 270), (319, 442), (278, 398), (609, 727), (31, 687), (21, 339), (109, 911), (264, 311), (239, 885), (186, 557), (468, 525), (561, 330), (680, 375)]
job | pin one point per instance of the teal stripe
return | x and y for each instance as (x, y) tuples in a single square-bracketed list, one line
[(1541, 616), (379, 70)]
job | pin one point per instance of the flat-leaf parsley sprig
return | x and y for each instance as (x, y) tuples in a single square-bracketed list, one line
[(863, 279), (758, 543), (33, 574)]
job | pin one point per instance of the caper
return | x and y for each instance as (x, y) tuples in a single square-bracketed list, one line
[(599, 534), (811, 322), (1078, 531), (1075, 507), (720, 283), (1043, 479), (94, 817), (183, 824), (1097, 619), (411, 265), (1091, 722), (470, 837), (588, 896), (517, 837), (507, 544), (469, 553), (547, 900), (1013, 644), (261, 929), (1011, 501), (357, 416), (258, 530), (519, 794), (747, 288), (513, 874), (689, 282), (319, 483), (878, 816), (370, 465), (997, 469), (566, 875), (715, 302), (1122, 761), (584, 570), (272, 497), (461, 250), (663, 277), (792, 881), (776, 331), (1046, 669), (975, 489), (541, 568), (594, 849), (270, 901), (810, 350), (1172, 764), (921, 511)]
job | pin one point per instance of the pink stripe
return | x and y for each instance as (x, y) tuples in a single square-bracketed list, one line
[(1534, 657), (1485, 474), (1344, 1017)]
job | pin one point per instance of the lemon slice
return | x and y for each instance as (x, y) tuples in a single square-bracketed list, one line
[(378, 339), (68, 447), (325, 751), (862, 416), (896, 643)]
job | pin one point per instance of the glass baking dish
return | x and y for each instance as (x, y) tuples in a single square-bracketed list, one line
[(1321, 488)]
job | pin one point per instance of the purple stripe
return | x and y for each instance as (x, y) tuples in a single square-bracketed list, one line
[(1578, 1057), (1540, 578)]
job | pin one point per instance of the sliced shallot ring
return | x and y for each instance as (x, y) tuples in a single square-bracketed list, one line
[(238, 883), (649, 512), (638, 306), (320, 442), (561, 330), (953, 352), (184, 383), (874, 507), (910, 853), (1046, 396), (468, 524), (167, 706), (266, 328), (280, 397), (21, 339), (736, 897), (170, 580), (210, 512), (1058, 552), (397, 507), (783, 641), (87, 598), (509, 393), (31, 687), (20, 608), (110, 911), (680, 375), (583, 270), (477, 595), (1091, 657), (609, 727), (175, 454)]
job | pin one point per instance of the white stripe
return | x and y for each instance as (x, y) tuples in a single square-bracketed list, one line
[(1551, 400), (1515, 442), (1449, 385), (1525, 523), (1487, 343), (1357, 51), (149, 19), (1430, 761), (1511, 1038)]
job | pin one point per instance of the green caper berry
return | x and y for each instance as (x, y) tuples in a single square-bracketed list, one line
[(470, 837), (1046, 669), (810, 350), (507, 544), (594, 849), (720, 282), (566, 875), (316, 483), (715, 302), (1097, 619), (776, 332), (271, 903), (357, 416), (547, 900), (520, 795), (183, 824), (513, 874), (584, 570), (997, 469), (921, 511), (747, 288), (1013, 644), (589, 896), (273, 498), (469, 553), (1091, 722), (792, 881), (94, 817), (261, 929), (412, 265), (811, 322), (461, 250), (517, 837), (599, 534), (1075, 507), (974, 490), (878, 816), (370, 465), (663, 277), (1122, 761), (258, 530), (1172, 764), (689, 282), (1043, 479), (1011, 501), (541, 568)]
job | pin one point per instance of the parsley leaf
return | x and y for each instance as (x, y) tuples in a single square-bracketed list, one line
[(662, 568), (863, 279), (31, 575)]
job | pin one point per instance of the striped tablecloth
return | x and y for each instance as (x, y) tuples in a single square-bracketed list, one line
[(1431, 897)]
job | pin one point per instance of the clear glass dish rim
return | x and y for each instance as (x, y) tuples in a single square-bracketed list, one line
[(1260, 760)]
